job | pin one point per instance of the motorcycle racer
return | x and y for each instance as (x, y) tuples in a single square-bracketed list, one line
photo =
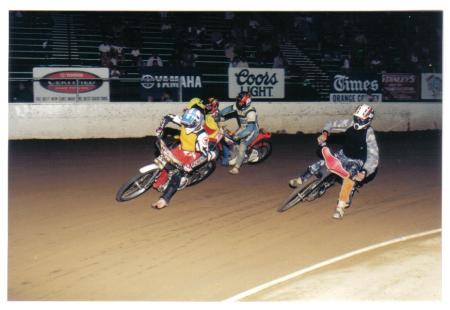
[(211, 118), (359, 155), (192, 151), (248, 125)]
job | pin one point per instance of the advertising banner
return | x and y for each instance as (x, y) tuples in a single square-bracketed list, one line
[(400, 87), (69, 84), (432, 86), (167, 84), (260, 82), (355, 88)]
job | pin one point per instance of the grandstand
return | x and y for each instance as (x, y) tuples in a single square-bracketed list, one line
[(311, 43)]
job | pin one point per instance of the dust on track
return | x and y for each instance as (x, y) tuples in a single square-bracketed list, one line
[(70, 240)]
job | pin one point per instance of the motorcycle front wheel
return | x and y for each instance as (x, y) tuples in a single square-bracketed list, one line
[(299, 194), (137, 185)]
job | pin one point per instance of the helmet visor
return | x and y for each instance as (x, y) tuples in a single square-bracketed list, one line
[(360, 122)]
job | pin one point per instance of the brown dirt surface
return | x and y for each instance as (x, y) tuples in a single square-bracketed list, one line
[(70, 240)]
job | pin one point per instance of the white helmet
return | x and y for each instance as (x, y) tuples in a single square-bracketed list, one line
[(363, 116), (192, 120)]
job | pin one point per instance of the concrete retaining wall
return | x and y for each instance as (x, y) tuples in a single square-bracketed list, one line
[(120, 120)]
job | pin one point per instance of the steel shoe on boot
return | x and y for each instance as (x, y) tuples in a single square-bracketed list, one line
[(296, 182), (341, 206), (339, 213), (235, 170), (161, 203)]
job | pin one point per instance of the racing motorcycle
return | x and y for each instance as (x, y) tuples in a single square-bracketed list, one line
[(328, 175), (157, 174), (258, 151)]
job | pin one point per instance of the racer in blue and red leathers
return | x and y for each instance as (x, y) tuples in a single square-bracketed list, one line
[(248, 125)]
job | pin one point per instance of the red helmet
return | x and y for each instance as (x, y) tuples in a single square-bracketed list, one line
[(243, 100), (212, 106)]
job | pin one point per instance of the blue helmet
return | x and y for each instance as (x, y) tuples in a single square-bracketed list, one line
[(192, 120)]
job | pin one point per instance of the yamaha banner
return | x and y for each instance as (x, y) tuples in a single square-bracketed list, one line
[(168, 84), (355, 88)]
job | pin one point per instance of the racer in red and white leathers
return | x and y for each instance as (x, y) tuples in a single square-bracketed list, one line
[(193, 145)]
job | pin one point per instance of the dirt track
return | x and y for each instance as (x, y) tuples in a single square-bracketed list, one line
[(70, 240)]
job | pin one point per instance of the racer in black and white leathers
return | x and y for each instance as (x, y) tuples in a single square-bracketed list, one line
[(359, 155), (248, 125)]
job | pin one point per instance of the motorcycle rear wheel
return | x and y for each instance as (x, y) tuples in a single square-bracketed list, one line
[(137, 185), (202, 173), (264, 148)]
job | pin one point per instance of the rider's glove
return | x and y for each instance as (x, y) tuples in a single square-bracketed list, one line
[(235, 139), (322, 138), (360, 176), (211, 156)]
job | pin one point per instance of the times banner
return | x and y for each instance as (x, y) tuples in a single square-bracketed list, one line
[(260, 82), (355, 88), (69, 84), (168, 84), (400, 87)]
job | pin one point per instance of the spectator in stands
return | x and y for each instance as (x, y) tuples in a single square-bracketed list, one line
[(253, 24), (115, 73), (239, 62), (136, 56), (217, 40), (234, 62), (187, 58), (375, 64), (279, 61), (166, 95), (166, 28), (346, 64), (46, 51), (229, 51), (154, 61), (242, 63), (104, 48), (229, 16), (113, 63), (118, 51)]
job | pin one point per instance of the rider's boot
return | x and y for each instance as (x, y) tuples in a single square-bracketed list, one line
[(300, 180), (339, 212), (296, 182), (161, 203), (235, 170)]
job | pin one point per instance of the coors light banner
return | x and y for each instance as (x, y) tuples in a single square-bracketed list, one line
[(355, 88), (70, 84), (261, 83)]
